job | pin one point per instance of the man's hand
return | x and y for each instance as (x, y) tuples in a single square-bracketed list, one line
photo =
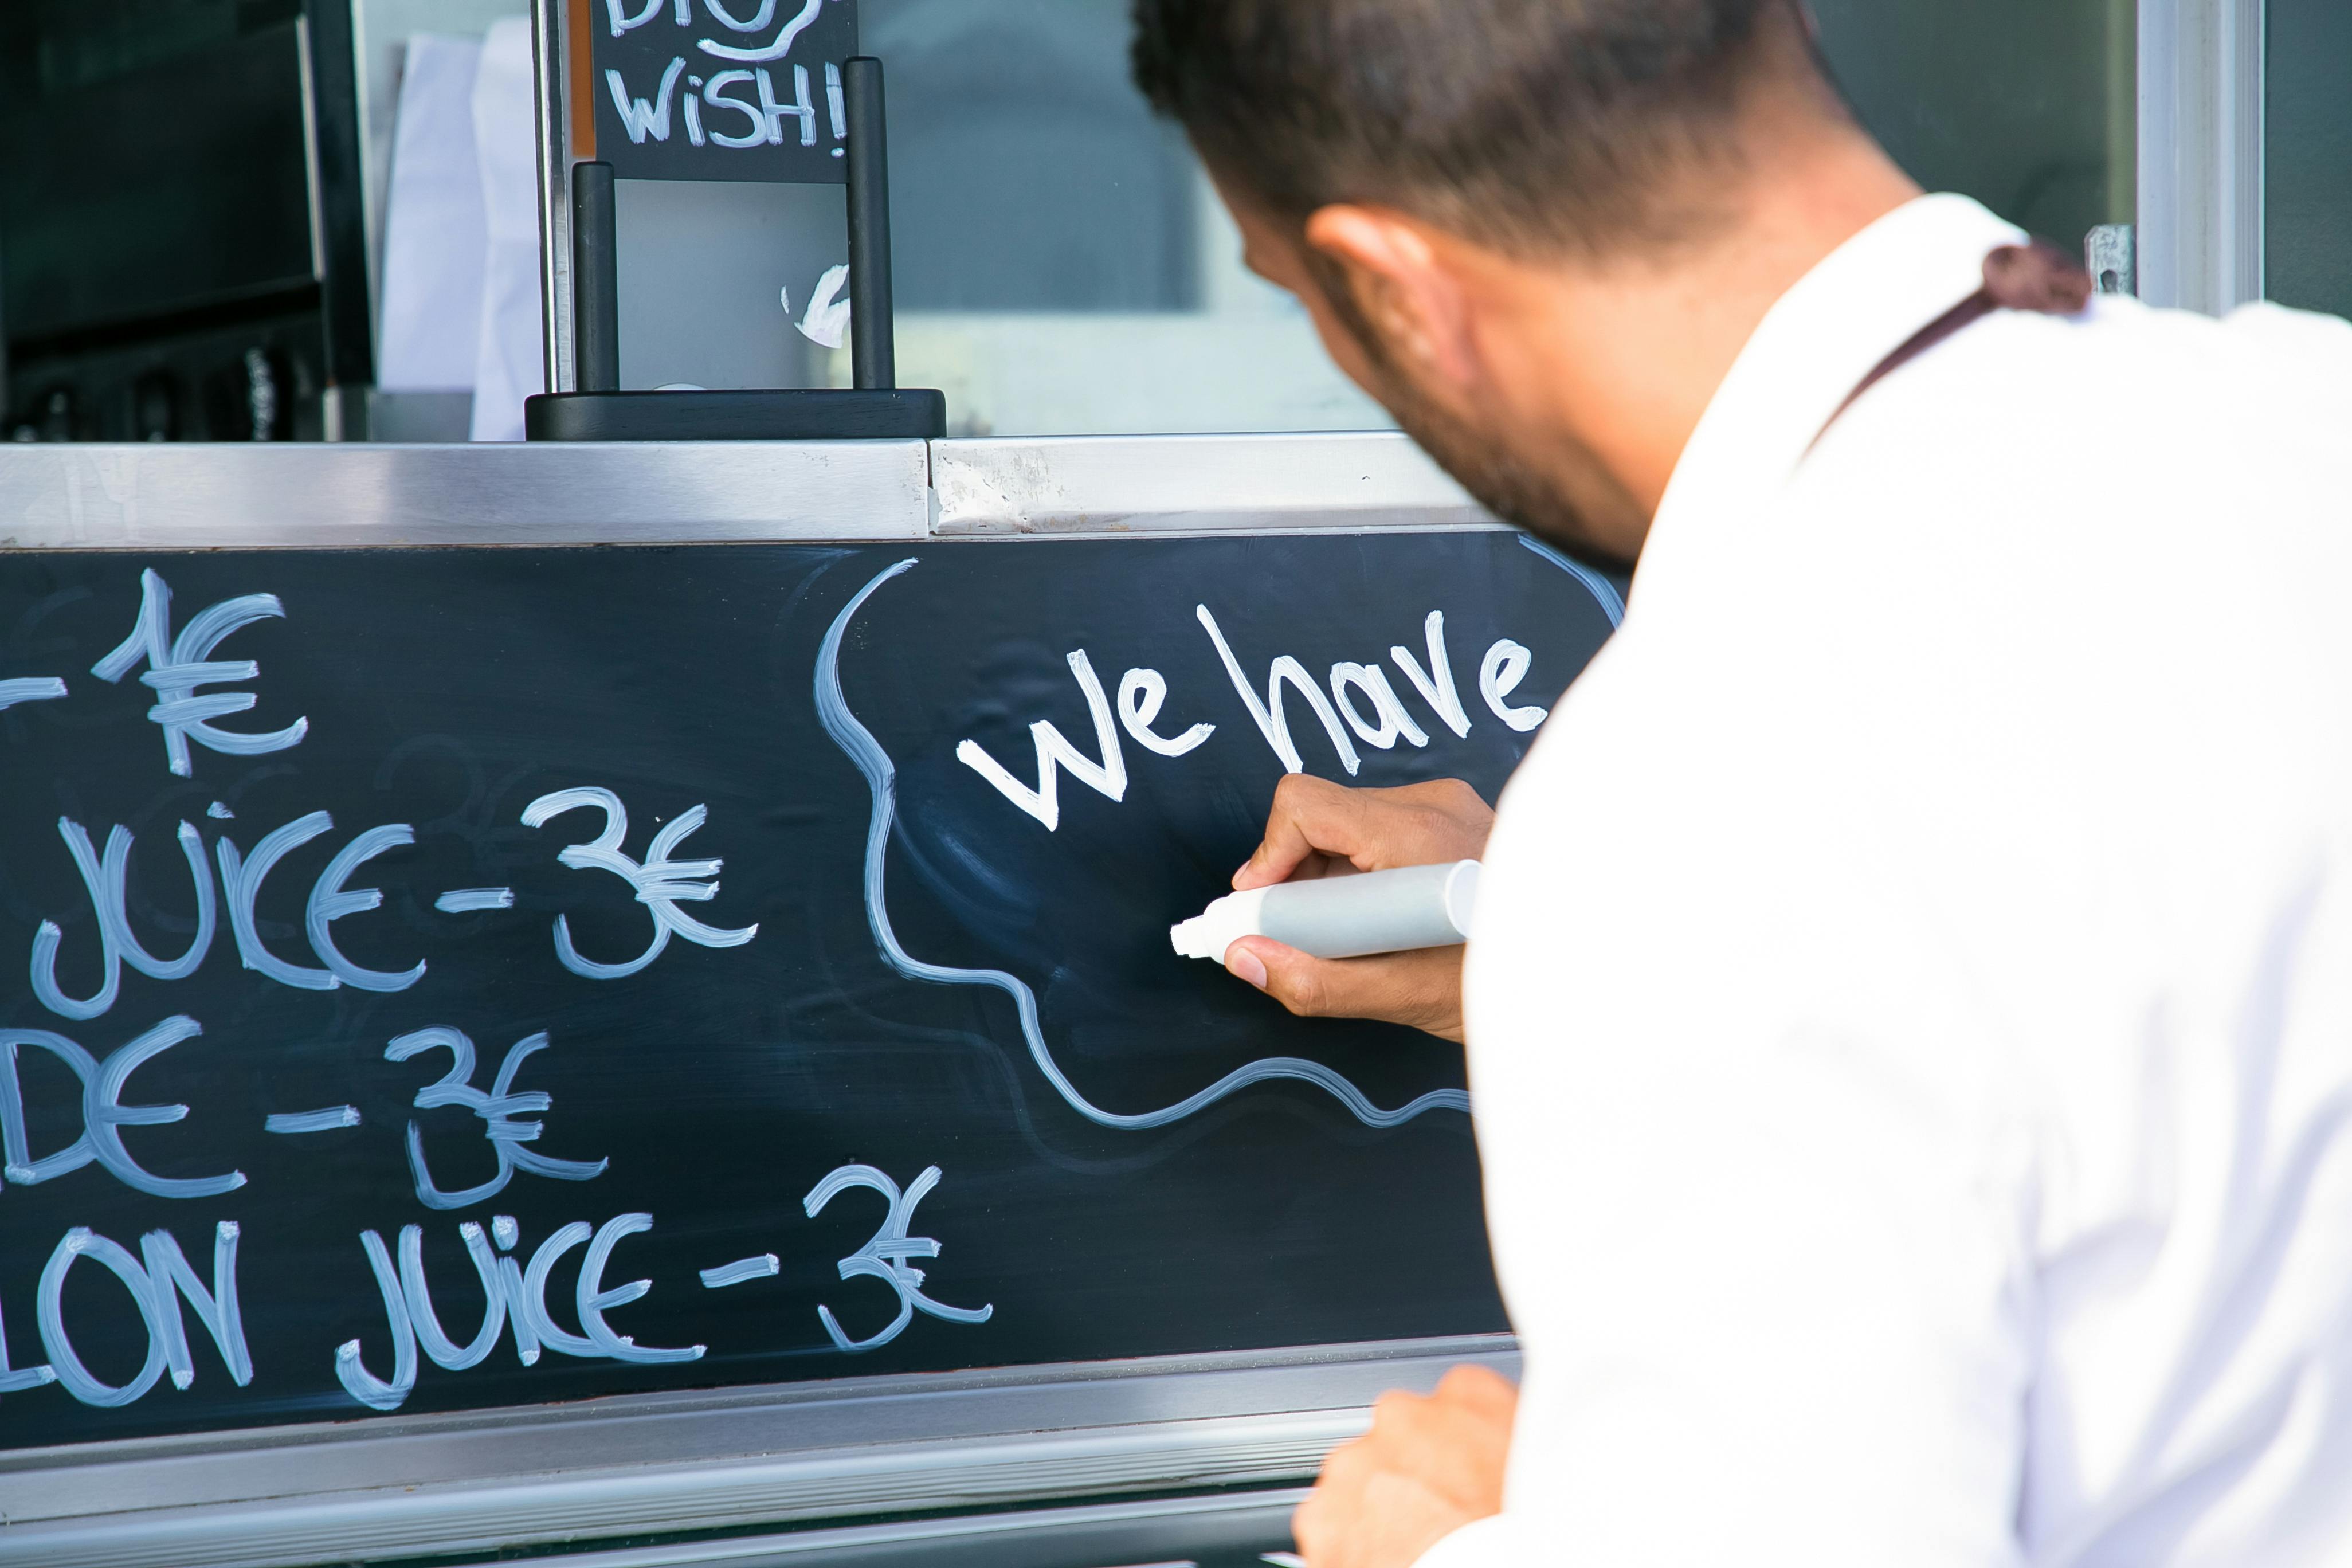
[(1322, 829), (1427, 1468)]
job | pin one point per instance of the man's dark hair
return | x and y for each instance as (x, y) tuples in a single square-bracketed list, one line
[(1532, 125)]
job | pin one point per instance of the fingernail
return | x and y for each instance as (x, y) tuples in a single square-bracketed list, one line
[(1244, 965)]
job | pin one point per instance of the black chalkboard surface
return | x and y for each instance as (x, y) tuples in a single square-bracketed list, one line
[(515, 925), (721, 89)]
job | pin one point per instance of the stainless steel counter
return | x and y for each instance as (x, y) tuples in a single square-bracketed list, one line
[(349, 497)]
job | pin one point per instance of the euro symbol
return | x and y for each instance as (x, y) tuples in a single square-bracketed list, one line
[(660, 883)]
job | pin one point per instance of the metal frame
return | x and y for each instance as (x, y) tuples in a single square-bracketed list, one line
[(662, 1465), (1060, 487), (549, 26), (303, 496), (2201, 85), (1171, 1528), (308, 496)]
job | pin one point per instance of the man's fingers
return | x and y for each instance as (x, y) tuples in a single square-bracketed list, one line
[(1428, 1465), (1311, 817), (1420, 989), (1480, 1388), (1300, 983), (1459, 1448), (1316, 824), (1312, 1523), (1324, 1515)]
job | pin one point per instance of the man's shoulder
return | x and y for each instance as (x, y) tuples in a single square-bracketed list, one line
[(2122, 396)]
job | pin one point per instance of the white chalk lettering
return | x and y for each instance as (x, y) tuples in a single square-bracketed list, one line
[(725, 18), (531, 1300), (1435, 684), (713, 94), (660, 884), (375, 1393), (103, 1116), (623, 23), (22, 1380), (741, 1271), (514, 1299), (1499, 674), (330, 902), (105, 879), (825, 323), (498, 1110), (639, 118), (170, 1278), (297, 1123), (1392, 723), (886, 1257), (21, 1166), (1107, 778), (773, 113), (1141, 694), (444, 1352), (46, 688), (177, 666), (1273, 721), (241, 879), (593, 1301), (49, 1312), (776, 49)]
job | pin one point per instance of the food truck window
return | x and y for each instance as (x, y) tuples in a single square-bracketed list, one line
[(2030, 106), (1064, 267), (2308, 142)]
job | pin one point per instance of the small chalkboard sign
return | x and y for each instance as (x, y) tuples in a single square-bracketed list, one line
[(723, 90)]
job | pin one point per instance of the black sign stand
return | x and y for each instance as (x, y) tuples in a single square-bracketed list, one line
[(876, 407), (873, 339)]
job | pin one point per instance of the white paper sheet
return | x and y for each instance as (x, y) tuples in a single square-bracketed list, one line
[(434, 243), (508, 366)]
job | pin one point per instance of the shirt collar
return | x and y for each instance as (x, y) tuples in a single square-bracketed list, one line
[(1861, 303)]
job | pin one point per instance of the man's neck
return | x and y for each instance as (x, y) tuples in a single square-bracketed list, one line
[(1621, 358)]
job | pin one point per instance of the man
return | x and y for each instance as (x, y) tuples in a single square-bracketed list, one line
[(1911, 1018)]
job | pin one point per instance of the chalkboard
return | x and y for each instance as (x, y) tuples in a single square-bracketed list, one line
[(722, 89), (784, 926)]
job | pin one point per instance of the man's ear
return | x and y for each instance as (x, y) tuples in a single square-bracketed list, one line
[(1402, 287)]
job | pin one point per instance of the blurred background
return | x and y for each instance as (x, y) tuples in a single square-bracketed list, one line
[(317, 219)]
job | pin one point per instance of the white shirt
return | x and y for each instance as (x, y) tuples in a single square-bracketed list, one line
[(1911, 1019)]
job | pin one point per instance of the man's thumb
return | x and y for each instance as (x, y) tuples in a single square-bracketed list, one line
[(1282, 972)]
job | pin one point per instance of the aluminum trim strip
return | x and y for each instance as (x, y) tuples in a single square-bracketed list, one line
[(490, 1516), (550, 127), (315, 496), (1270, 1508), (2202, 84), (1197, 484), (727, 1459)]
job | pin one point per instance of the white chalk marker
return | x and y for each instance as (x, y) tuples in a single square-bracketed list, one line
[(1342, 917)]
